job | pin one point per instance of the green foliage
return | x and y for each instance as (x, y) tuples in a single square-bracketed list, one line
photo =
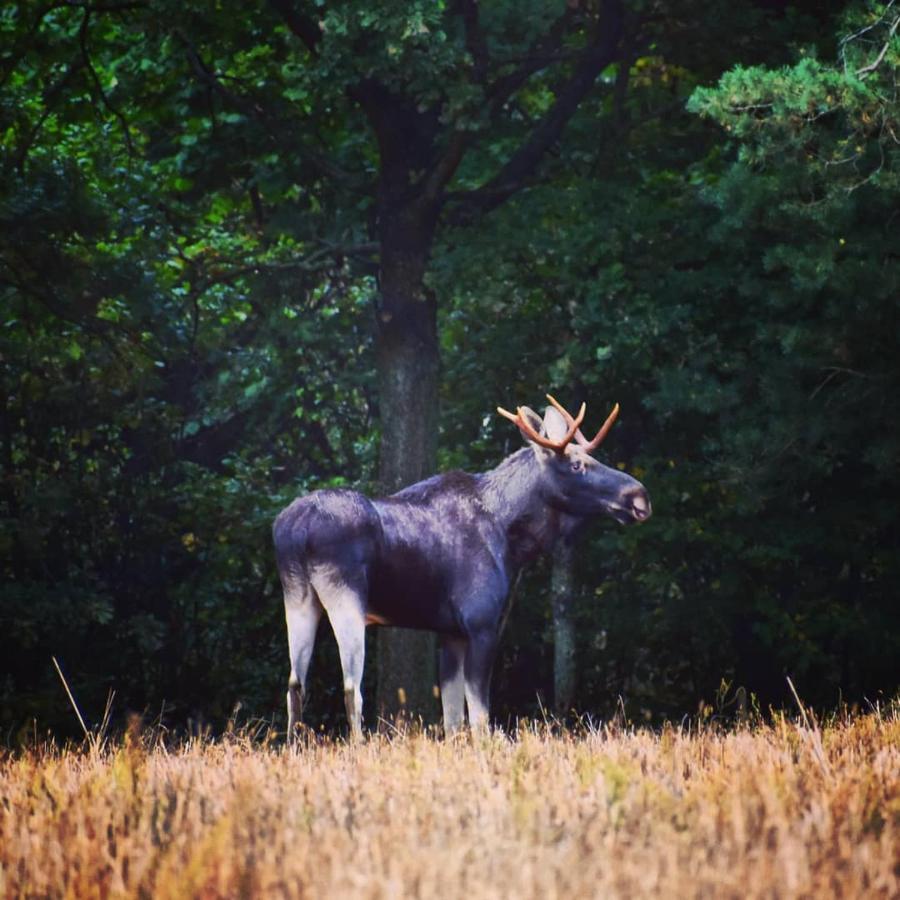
[(744, 314), (169, 368), (186, 282), (837, 124)]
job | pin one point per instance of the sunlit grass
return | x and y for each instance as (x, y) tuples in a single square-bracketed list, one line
[(777, 810)]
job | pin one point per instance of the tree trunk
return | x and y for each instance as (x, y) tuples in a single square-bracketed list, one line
[(563, 629), (407, 360)]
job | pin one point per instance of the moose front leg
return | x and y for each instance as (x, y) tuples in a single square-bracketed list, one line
[(478, 665), (453, 685)]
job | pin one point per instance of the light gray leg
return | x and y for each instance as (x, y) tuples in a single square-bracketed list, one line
[(344, 601), (478, 665), (349, 626), (453, 685), (302, 612)]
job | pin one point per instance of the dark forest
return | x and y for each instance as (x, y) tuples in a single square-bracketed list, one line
[(251, 251)]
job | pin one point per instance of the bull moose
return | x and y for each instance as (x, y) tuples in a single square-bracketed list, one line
[(440, 555)]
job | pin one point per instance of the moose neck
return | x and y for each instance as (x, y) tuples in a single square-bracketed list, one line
[(512, 494)]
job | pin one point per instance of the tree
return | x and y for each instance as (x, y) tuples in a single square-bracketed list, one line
[(434, 83), (431, 83)]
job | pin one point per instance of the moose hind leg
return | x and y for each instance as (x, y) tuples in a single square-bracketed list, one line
[(302, 612), (453, 685), (344, 601), (349, 626)]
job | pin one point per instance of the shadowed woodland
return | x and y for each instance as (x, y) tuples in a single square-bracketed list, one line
[(248, 252)]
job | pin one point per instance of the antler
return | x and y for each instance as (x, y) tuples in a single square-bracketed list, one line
[(531, 434), (588, 446)]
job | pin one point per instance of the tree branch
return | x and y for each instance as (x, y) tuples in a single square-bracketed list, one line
[(866, 70), (544, 52), (208, 77), (848, 39), (301, 26), (22, 46), (250, 108), (50, 96), (620, 89), (113, 7), (85, 55), (475, 42), (321, 260), (522, 163), (443, 170), (58, 307)]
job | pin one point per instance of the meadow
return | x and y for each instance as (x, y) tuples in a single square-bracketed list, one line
[(779, 809)]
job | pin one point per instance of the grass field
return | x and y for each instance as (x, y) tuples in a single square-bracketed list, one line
[(777, 810)]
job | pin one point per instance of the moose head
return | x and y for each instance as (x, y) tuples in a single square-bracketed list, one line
[(572, 481)]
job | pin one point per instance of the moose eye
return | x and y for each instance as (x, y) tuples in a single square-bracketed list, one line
[(577, 466)]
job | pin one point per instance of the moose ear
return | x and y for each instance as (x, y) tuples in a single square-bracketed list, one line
[(534, 420), (554, 425)]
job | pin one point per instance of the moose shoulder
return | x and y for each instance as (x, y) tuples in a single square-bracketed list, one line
[(439, 555)]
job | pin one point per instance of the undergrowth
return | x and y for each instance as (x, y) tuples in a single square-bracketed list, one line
[(778, 809)]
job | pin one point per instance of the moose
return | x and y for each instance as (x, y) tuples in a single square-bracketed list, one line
[(440, 555)]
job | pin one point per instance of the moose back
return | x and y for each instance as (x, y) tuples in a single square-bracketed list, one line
[(440, 556)]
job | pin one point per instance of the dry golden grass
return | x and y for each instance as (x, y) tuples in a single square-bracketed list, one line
[(771, 811)]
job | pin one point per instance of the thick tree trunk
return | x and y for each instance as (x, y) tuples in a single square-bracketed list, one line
[(407, 359), (563, 629)]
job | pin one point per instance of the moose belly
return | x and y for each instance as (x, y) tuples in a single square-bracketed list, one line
[(410, 592)]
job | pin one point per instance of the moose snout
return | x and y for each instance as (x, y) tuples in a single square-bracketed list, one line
[(637, 502)]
